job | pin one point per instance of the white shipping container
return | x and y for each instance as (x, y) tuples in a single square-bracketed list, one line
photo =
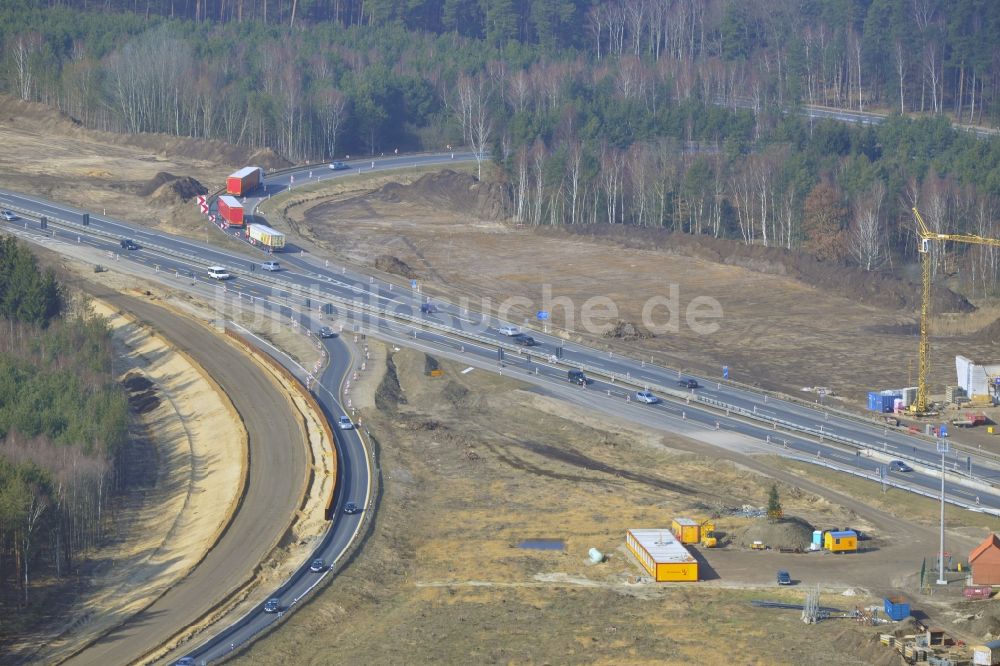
[(987, 654)]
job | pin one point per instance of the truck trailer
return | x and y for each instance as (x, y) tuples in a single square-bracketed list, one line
[(231, 210), (263, 235), (244, 181)]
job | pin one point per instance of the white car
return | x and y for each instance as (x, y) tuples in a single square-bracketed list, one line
[(646, 397), (271, 266), (8, 215), (345, 423), (339, 166), (509, 330), (218, 273)]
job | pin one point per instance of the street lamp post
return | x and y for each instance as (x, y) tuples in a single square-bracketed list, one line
[(942, 447)]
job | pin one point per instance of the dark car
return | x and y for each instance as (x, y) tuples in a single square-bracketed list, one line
[(351, 508), (317, 566), (577, 377), (428, 308), (129, 244), (184, 661), (525, 340), (688, 383), (326, 332), (272, 605), (899, 466), (339, 166), (784, 578)]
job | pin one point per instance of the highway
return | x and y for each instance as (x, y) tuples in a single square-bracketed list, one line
[(352, 486), (316, 290)]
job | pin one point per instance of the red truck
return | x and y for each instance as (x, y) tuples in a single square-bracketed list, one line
[(244, 181), (231, 210)]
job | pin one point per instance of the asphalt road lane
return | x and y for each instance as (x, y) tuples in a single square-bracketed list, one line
[(276, 481)]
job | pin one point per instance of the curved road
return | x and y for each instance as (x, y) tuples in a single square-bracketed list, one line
[(352, 486), (276, 444)]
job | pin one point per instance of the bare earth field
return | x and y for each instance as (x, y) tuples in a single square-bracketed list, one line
[(775, 331), (472, 464)]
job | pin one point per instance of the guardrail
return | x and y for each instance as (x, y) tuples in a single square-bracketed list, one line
[(419, 322)]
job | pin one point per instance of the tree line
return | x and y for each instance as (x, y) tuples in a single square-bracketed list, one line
[(667, 113), (63, 422)]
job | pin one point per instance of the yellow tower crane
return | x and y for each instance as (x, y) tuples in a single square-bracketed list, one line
[(926, 236)]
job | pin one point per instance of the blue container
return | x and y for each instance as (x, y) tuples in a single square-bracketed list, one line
[(896, 608), (889, 402), (874, 401)]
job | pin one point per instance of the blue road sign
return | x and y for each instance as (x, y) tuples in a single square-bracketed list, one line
[(725, 372), (542, 315), (413, 284)]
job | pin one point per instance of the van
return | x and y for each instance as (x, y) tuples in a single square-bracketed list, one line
[(577, 377), (218, 273)]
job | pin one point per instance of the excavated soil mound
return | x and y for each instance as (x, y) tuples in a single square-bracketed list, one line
[(626, 330), (390, 264), (450, 190), (979, 618), (990, 334), (785, 533), (867, 648), (849, 281), (142, 396), (166, 188)]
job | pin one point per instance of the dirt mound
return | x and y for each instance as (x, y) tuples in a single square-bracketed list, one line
[(166, 189), (626, 330), (451, 190), (981, 618), (785, 533), (268, 159), (849, 281), (142, 396), (989, 334), (389, 394), (390, 264), (866, 647)]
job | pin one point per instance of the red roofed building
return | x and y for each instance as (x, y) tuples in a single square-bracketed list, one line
[(985, 562)]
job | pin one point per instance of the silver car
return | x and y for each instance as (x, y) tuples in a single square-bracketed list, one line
[(646, 397)]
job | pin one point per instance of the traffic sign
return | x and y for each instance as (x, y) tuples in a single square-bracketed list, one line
[(542, 315), (725, 372)]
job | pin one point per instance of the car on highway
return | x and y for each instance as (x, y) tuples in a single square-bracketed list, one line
[(317, 566), (577, 377), (428, 308), (351, 508), (326, 332), (272, 605), (339, 166), (784, 578), (899, 466), (8, 215), (508, 330), (271, 266), (525, 340), (646, 397), (688, 383), (345, 423), (218, 273), (129, 244), (185, 661)]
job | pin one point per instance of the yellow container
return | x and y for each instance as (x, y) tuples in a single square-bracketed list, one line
[(686, 530), (841, 542), (989, 429)]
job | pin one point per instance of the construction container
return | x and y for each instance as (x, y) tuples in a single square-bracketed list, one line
[(818, 537), (987, 654), (896, 608), (686, 530), (909, 396), (664, 557), (897, 405), (841, 542), (977, 591)]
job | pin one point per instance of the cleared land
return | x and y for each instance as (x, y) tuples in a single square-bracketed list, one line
[(472, 464)]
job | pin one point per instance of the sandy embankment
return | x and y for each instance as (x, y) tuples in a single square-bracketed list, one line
[(201, 449)]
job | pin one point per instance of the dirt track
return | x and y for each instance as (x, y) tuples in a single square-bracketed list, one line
[(272, 495)]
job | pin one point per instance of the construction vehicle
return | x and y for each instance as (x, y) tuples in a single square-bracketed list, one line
[(919, 407), (758, 545)]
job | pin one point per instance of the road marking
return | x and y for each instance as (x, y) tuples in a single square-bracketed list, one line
[(468, 370)]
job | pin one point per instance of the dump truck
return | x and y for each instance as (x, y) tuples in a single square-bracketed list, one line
[(244, 181), (265, 236), (231, 210)]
